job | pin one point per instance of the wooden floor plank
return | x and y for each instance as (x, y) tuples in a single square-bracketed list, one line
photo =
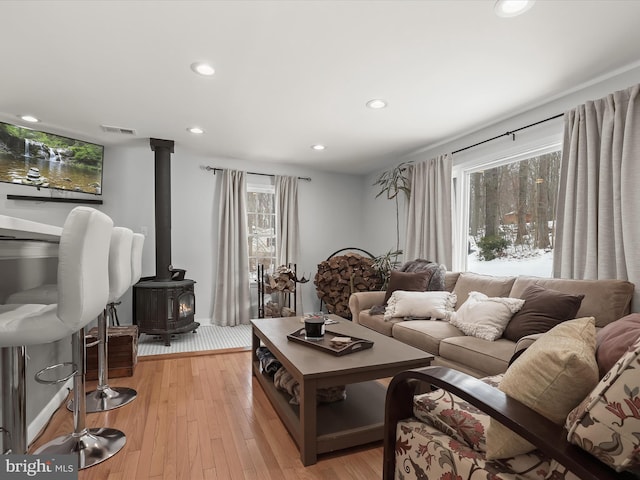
[(204, 417)]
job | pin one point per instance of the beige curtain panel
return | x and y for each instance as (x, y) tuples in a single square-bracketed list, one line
[(429, 214), (287, 227), (598, 232), (287, 219), (232, 303)]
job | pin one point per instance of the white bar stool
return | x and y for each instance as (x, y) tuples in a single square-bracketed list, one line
[(136, 257), (83, 289), (104, 397)]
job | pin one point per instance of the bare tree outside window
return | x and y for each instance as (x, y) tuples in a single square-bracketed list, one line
[(512, 211), (261, 224)]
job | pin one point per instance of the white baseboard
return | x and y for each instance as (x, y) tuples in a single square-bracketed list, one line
[(42, 419), (203, 321)]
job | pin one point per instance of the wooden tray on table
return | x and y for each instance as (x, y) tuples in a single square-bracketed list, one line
[(356, 344)]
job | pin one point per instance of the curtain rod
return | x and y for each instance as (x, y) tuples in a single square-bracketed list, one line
[(216, 169), (506, 134)]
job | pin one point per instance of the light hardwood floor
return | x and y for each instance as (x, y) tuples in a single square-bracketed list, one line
[(205, 417)]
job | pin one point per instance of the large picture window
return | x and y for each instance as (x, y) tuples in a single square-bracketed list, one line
[(511, 215), (261, 223)]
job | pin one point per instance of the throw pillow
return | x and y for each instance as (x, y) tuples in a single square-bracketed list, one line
[(543, 309), (407, 281), (615, 339), (438, 272), (419, 305), (485, 317), (455, 417), (606, 423), (552, 376)]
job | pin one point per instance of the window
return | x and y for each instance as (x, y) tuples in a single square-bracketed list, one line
[(261, 223), (510, 217)]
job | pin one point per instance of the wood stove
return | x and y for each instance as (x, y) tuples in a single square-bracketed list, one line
[(165, 308), (165, 304)]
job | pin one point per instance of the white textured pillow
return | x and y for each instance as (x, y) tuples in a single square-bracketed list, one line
[(419, 304), (485, 317)]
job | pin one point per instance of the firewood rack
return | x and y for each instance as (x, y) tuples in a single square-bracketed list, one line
[(287, 293)]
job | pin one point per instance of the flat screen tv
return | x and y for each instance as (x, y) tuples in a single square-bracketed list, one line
[(44, 160)]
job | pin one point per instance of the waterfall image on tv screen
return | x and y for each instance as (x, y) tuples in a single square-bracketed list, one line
[(45, 160)]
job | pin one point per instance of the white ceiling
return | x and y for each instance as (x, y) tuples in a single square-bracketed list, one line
[(290, 74)]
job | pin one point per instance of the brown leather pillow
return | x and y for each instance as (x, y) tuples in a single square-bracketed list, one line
[(543, 309), (614, 340), (407, 281)]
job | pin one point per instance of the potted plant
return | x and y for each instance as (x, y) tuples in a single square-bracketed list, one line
[(392, 183), (384, 264)]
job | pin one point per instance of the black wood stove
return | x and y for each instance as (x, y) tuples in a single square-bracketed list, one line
[(165, 304)]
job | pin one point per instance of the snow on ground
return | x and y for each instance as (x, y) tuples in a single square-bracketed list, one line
[(538, 266)]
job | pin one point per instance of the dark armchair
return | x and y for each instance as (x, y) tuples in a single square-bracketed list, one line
[(435, 451)]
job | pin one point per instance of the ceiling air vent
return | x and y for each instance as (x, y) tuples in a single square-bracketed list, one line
[(121, 130)]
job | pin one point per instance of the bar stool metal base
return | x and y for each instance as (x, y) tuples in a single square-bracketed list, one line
[(92, 446), (102, 400)]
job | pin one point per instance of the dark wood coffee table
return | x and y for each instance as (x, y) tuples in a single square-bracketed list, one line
[(327, 427)]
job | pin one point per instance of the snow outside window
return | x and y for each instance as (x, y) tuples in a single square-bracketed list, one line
[(509, 214)]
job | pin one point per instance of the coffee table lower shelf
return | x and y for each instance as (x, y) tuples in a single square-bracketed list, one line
[(357, 420)]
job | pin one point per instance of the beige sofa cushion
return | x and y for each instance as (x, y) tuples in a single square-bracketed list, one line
[(606, 300), (484, 355), (489, 285), (450, 279), (424, 334)]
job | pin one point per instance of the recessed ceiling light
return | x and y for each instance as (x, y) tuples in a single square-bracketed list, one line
[(29, 118), (376, 103), (318, 147), (512, 8), (203, 69), (196, 130)]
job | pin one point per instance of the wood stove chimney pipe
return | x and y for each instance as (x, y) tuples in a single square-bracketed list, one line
[(163, 150)]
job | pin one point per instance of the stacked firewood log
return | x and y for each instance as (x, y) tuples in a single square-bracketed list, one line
[(277, 310), (281, 284), (338, 277), (282, 280)]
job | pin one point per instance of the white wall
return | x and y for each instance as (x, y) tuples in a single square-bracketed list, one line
[(379, 216), (589, 91)]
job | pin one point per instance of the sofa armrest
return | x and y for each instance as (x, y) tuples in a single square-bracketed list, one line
[(359, 301), (527, 341), (548, 437)]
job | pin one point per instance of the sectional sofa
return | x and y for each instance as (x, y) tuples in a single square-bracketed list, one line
[(605, 300)]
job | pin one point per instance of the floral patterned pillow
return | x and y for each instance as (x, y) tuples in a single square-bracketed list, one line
[(607, 422), (453, 416)]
